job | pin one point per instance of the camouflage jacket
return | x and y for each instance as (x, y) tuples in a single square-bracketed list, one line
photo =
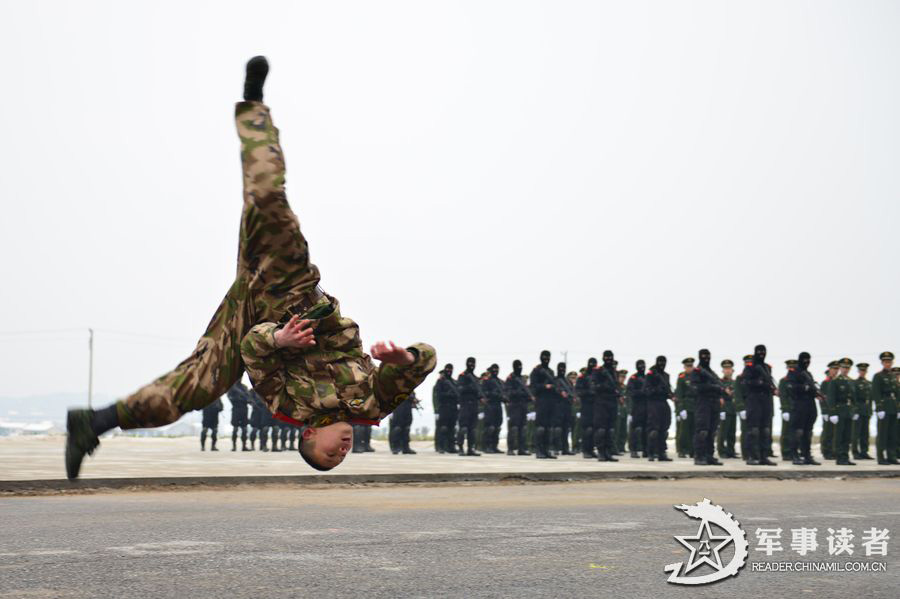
[(332, 381)]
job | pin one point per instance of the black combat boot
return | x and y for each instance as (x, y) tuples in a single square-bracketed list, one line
[(81, 440), (263, 439), (214, 436), (257, 70), (650, 450), (600, 442), (636, 433), (203, 440), (512, 433), (587, 444), (540, 446), (367, 445), (461, 440), (753, 447), (394, 440), (234, 440), (522, 442), (357, 439), (610, 448), (404, 439)]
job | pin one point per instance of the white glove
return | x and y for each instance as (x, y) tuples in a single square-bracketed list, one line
[(722, 416), (628, 420), (880, 415), (743, 414), (898, 415), (856, 417), (481, 416), (833, 419), (531, 416), (577, 414), (683, 414), (786, 416)]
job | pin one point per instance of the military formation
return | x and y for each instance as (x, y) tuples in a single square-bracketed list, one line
[(248, 411), (603, 413)]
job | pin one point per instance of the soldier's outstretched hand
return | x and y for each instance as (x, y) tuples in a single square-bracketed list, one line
[(296, 333), (387, 352)]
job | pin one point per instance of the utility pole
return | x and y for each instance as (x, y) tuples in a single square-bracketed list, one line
[(565, 354), (90, 366)]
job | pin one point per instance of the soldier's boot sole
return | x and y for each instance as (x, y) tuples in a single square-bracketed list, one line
[(80, 440)]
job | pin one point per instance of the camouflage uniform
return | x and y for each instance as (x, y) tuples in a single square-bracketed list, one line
[(332, 381)]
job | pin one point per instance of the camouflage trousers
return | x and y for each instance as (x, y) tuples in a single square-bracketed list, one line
[(273, 273)]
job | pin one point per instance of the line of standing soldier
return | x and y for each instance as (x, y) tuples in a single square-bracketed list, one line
[(709, 410), (259, 420)]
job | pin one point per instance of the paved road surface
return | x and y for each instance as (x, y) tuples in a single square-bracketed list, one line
[(536, 540)]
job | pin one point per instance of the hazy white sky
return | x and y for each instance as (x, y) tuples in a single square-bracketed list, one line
[(494, 178)]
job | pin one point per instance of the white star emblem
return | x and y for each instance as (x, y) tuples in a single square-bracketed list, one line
[(702, 539)]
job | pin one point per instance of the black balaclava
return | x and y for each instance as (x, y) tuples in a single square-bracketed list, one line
[(660, 363), (608, 359), (803, 360), (545, 358), (759, 353), (561, 369), (494, 369), (592, 364), (517, 366), (470, 364), (448, 369), (640, 365), (705, 358)]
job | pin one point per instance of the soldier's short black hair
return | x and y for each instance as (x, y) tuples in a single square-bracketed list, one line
[(308, 459)]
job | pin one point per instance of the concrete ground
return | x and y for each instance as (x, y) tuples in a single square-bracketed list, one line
[(537, 540), (41, 457)]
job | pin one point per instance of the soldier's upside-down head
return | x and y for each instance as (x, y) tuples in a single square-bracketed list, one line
[(325, 447)]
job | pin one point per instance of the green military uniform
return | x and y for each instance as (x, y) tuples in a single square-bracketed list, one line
[(785, 400), (725, 438), (841, 402), (885, 393), (684, 408), (826, 439), (740, 408), (859, 434), (334, 380)]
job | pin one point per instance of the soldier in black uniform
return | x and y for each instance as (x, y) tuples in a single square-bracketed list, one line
[(469, 397), (804, 392), (401, 422), (211, 423), (658, 392), (587, 395), (447, 392), (760, 388), (239, 399), (517, 395), (495, 395), (543, 387), (636, 392), (262, 418), (606, 382), (256, 416), (562, 412), (710, 399)]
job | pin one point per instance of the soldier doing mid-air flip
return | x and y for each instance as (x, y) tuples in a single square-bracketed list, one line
[(304, 357)]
